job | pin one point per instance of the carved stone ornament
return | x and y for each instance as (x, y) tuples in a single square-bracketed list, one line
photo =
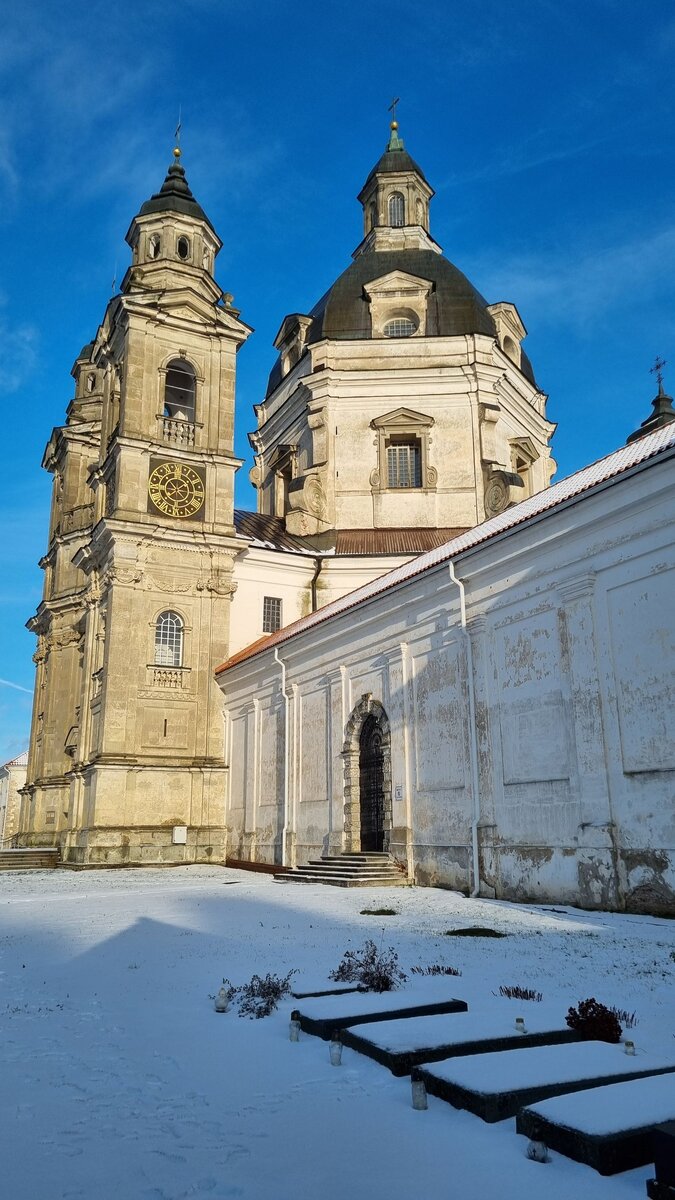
[(127, 575), (164, 583), (308, 495), (217, 586), (496, 496), (62, 638)]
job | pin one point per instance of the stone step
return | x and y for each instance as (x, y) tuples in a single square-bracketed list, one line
[(365, 856), (349, 870), (353, 871), (337, 881), (37, 858)]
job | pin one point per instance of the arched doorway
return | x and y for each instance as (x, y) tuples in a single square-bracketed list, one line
[(371, 785), (367, 764)]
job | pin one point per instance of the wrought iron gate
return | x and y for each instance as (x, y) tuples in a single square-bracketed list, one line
[(371, 785)]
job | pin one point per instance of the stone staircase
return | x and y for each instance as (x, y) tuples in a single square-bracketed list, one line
[(37, 858), (349, 870)]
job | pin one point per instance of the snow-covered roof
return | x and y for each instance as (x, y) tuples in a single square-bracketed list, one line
[(21, 760), (601, 472)]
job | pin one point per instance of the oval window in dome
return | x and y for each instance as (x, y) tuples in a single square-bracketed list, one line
[(399, 327)]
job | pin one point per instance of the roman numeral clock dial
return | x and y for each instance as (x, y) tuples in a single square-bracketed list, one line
[(176, 489)]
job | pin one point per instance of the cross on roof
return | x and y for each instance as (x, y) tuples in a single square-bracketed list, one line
[(392, 107), (657, 369)]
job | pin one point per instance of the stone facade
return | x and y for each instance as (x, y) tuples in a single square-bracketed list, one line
[(126, 759), (400, 410), (523, 677), (12, 780)]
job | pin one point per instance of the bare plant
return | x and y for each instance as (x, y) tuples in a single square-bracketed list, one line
[(376, 970), (516, 992)]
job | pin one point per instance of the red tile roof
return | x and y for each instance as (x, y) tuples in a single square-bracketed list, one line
[(600, 472)]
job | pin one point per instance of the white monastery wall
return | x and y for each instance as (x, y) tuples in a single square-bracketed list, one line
[(571, 657)]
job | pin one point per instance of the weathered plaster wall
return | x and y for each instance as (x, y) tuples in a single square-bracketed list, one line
[(570, 623)]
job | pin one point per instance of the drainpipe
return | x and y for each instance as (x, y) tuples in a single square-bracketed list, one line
[(314, 582), (475, 785), (287, 743)]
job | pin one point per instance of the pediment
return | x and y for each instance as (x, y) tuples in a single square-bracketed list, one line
[(397, 283), (402, 418), (526, 447), (185, 304)]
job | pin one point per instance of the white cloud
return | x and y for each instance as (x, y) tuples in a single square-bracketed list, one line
[(18, 349), (576, 287), (8, 683)]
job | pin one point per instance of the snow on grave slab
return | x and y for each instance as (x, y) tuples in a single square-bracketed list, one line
[(610, 1128), (402, 1045), (325, 1014), (495, 1086), (308, 986)]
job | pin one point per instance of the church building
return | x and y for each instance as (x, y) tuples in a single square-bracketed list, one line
[(402, 419)]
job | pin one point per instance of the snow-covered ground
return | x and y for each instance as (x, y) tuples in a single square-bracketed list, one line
[(120, 1082)]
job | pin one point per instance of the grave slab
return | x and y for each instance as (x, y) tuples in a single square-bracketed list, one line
[(326, 1014), (610, 1128), (496, 1086), (305, 988), (402, 1045)]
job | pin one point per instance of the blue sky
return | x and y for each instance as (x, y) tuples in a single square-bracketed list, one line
[(545, 127)]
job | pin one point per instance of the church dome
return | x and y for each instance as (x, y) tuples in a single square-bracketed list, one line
[(343, 313), (395, 201)]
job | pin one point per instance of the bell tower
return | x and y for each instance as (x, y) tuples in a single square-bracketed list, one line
[(142, 771)]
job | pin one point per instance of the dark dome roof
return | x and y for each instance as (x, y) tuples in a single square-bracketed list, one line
[(175, 196), (343, 312), (393, 161)]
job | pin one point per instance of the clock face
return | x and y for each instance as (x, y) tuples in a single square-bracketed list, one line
[(176, 489)]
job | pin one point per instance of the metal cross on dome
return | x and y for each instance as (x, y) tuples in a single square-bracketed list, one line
[(392, 107), (657, 369)]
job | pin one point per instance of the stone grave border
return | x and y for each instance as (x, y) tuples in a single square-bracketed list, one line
[(401, 1062), (498, 1106)]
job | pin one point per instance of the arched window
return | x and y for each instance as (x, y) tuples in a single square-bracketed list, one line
[(183, 248), (396, 209), (373, 215), (179, 391), (169, 640), (154, 246)]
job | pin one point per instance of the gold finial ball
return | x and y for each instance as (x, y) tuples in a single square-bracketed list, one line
[(394, 125), (177, 152)]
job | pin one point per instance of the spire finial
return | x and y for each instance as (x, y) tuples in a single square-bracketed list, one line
[(395, 142), (177, 150), (657, 369)]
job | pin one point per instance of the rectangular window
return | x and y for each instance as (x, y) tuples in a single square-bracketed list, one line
[(403, 465), (271, 614)]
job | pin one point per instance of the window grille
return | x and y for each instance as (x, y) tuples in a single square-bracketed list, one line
[(271, 614), (169, 640), (399, 327), (179, 391), (396, 209), (403, 465)]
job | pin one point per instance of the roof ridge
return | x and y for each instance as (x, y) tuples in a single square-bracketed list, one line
[(615, 464)]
